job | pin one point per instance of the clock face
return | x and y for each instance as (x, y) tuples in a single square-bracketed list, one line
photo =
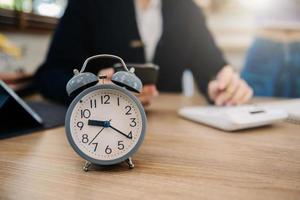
[(106, 124)]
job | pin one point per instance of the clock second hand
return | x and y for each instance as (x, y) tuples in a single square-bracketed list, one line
[(96, 136)]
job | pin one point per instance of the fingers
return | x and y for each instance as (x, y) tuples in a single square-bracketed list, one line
[(152, 90), (12, 77), (224, 77), (242, 95), (147, 94), (145, 100), (108, 72), (227, 94), (248, 96), (229, 88), (224, 96), (20, 86), (213, 89), (239, 94)]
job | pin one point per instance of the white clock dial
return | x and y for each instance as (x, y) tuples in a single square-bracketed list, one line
[(106, 124)]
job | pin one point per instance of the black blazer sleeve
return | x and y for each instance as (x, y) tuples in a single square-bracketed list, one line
[(206, 58), (69, 47)]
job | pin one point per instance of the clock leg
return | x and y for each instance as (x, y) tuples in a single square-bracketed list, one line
[(86, 166), (130, 163)]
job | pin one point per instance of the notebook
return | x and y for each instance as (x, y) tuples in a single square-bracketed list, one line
[(292, 107)]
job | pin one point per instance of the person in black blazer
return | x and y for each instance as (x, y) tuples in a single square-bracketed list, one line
[(90, 27)]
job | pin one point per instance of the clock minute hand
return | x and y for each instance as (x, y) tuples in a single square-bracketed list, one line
[(120, 132)]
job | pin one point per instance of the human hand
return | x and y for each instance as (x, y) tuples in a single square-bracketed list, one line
[(229, 89), (148, 92), (16, 80), (147, 95), (109, 72)]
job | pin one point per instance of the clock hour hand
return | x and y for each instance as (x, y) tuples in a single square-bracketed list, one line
[(104, 124), (128, 136)]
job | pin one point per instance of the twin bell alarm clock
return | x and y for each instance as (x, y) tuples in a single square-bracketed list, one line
[(105, 123)]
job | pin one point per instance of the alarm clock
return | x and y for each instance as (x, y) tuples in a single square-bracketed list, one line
[(105, 123)]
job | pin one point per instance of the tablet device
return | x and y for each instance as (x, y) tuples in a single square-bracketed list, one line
[(15, 114), (148, 72)]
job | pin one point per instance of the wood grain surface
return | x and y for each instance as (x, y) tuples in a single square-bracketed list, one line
[(178, 160)]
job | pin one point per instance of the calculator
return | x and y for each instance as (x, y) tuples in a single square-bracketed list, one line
[(233, 118)]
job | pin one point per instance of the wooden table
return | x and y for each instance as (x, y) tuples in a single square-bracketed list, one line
[(178, 160)]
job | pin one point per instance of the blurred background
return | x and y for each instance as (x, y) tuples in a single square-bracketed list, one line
[(28, 24), (26, 27)]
